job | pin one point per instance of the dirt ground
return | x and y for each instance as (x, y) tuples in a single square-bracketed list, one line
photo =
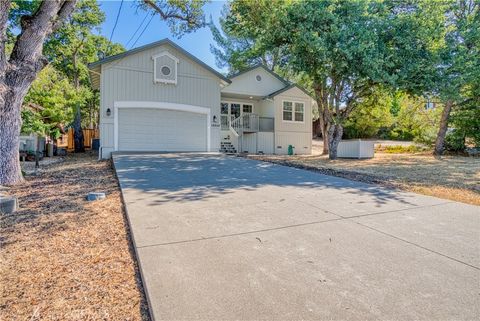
[(63, 258), (450, 177)]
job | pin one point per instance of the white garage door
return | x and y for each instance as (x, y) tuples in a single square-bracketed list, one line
[(144, 129)]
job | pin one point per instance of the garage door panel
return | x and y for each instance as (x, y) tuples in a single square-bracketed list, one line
[(144, 129)]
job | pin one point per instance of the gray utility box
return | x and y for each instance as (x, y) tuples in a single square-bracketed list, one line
[(8, 204), (356, 149)]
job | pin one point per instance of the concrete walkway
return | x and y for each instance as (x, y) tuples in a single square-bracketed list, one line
[(228, 238)]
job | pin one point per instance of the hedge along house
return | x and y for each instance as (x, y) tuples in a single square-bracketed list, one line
[(159, 97)]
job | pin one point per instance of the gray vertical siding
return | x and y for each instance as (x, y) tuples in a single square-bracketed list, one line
[(131, 79), (247, 84), (299, 135)]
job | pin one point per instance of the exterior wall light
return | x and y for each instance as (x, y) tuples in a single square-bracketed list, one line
[(214, 119), (109, 112)]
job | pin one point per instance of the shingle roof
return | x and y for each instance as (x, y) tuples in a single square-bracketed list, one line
[(278, 92)]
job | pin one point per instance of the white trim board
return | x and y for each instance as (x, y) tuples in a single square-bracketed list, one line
[(160, 105), (160, 80)]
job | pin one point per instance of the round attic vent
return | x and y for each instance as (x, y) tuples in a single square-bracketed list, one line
[(258, 78), (166, 71)]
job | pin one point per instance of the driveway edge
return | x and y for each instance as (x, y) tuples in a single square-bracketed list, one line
[(132, 237)]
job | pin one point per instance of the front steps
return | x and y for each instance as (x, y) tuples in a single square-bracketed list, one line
[(227, 148)]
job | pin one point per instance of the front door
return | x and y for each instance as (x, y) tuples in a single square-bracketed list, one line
[(235, 110), (247, 109), (231, 111)]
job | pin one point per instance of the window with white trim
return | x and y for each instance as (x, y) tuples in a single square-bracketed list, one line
[(247, 108), (293, 111), (165, 68), (299, 111), (287, 111)]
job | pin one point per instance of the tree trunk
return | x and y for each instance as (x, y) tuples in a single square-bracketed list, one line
[(442, 131), (18, 73), (77, 122), (335, 132), (323, 125), (78, 132), (323, 128), (10, 124)]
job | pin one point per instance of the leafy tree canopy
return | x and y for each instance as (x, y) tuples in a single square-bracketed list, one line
[(55, 93), (75, 45), (372, 115), (236, 42), (348, 48)]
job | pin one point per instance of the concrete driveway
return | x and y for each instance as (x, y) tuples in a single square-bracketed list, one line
[(228, 238)]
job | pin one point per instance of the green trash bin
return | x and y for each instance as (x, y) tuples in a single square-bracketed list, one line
[(290, 150)]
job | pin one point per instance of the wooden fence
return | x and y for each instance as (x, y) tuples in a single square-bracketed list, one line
[(67, 140)]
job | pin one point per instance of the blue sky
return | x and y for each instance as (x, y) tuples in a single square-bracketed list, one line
[(197, 43)]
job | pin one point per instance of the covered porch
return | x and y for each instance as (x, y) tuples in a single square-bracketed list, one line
[(247, 124)]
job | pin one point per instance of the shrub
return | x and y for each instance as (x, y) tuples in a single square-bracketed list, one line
[(399, 149), (370, 116), (455, 141)]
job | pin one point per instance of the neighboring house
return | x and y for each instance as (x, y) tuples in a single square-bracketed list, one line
[(429, 104), (161, 98)]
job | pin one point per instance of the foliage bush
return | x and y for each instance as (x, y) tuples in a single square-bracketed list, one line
[(399, 149), (394, 116), (371, 116), (32, 122), (56, 95), (466, 121), (455, 141)]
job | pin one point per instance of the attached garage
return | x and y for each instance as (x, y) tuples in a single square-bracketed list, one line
[(161, 127)]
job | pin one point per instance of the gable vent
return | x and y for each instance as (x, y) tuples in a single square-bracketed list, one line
[(165, 68)]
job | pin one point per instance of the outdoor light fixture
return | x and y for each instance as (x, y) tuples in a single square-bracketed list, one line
[(214, 119), (109, 112)]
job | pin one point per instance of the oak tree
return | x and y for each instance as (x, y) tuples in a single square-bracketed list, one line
[(18, 70)]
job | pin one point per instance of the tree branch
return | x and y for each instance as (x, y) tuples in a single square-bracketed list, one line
[(34, 29), (64, 12), (27, 52), (171, 14)]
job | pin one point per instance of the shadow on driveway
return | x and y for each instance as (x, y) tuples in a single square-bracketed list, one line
[(192, 177)]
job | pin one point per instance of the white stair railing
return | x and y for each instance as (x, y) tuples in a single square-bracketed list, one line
[(242, 124), (250, 122), (236, 126)]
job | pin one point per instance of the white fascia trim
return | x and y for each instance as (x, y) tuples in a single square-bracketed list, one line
[(160, 105), (293, 121), (165, 53)]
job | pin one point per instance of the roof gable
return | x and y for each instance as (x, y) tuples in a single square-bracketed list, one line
[(264, 68), (94, 66), (256, 81)]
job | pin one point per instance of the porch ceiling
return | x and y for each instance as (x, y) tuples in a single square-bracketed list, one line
[(240, 96)]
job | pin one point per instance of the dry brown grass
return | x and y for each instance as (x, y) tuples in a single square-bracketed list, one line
[(63, 258), (450, 177)]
